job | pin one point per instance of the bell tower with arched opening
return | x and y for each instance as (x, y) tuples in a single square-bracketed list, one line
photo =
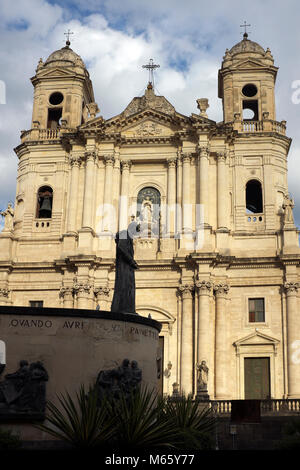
[(63, 91), (246, 82)]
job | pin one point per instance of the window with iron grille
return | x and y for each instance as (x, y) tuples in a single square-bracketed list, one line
[(256, 310)]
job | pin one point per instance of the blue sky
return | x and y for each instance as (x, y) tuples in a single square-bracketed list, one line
[(116, 37)]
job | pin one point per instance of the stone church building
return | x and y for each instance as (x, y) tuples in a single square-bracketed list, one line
[(217, 250)]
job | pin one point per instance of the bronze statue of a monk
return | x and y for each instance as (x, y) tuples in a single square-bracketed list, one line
[(124, 292)]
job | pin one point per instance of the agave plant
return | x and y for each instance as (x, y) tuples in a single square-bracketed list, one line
[(81, 422), (138, 422), (194, 426)]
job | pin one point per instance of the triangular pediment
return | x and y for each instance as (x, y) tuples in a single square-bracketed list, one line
[(248, 64), (56, 72), (144, 123), (256, 338)]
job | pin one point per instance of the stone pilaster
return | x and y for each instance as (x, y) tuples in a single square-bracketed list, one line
[(186, 363), (203, 175), (204, 333), (102, 297), (108, 188), (293, 339), (75, 161), (123, 213), (222, 191), (88, 189), (82, 291), (66, 293), (186, 195), (171, 201), (179, 195), (221, 365)]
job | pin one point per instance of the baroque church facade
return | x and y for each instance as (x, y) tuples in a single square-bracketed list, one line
[(218, 249)]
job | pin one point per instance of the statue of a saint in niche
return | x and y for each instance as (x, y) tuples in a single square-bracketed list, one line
[(124, 292)]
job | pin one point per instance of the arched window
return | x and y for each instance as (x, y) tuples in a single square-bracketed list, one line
[(44, 203), (148, 211), (254, 202)]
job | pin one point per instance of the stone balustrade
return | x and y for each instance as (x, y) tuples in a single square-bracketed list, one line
[(267, 407), (44, 134), (266, 125)]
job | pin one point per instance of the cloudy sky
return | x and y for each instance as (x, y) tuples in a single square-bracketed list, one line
[(116, 37)]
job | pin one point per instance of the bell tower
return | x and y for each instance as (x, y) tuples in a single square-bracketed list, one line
[(246, 82), (62, 91)]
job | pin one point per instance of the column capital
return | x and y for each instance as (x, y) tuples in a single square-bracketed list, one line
[(109, 160), (75, 160), (125, 164), (186, 157), (102, 290), (291, 288), (221, 289), (81, 288), (65, 291), (171, 162), (204, 287), (4, 292), (90, 155), (186, 290), (203, 150), (221, 156)]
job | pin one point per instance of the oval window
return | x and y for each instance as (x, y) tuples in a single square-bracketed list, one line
[(249, 90), (56, 98)]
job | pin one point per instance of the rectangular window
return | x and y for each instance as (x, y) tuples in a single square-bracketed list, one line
[(256, 310), (36, 303)]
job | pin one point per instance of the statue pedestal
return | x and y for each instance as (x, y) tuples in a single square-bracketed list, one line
[(75, 346), (202, 395), (6, 240)]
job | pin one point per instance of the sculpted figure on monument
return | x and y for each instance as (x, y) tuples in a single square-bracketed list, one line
[(24, 391), (124, 292), (125, 378), (8, 215), (202, 376), (288, 205)]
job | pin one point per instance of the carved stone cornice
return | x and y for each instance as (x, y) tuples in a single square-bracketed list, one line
[(291, 288), (186, 290), (125, 164), (221, 289), (204, 287)]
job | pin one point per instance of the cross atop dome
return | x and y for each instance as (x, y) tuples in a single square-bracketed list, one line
[(245, 25), (67, 34)]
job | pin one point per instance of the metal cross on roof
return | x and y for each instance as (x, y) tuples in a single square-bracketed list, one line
[(68, 33), (151, 67), (245, 25)]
